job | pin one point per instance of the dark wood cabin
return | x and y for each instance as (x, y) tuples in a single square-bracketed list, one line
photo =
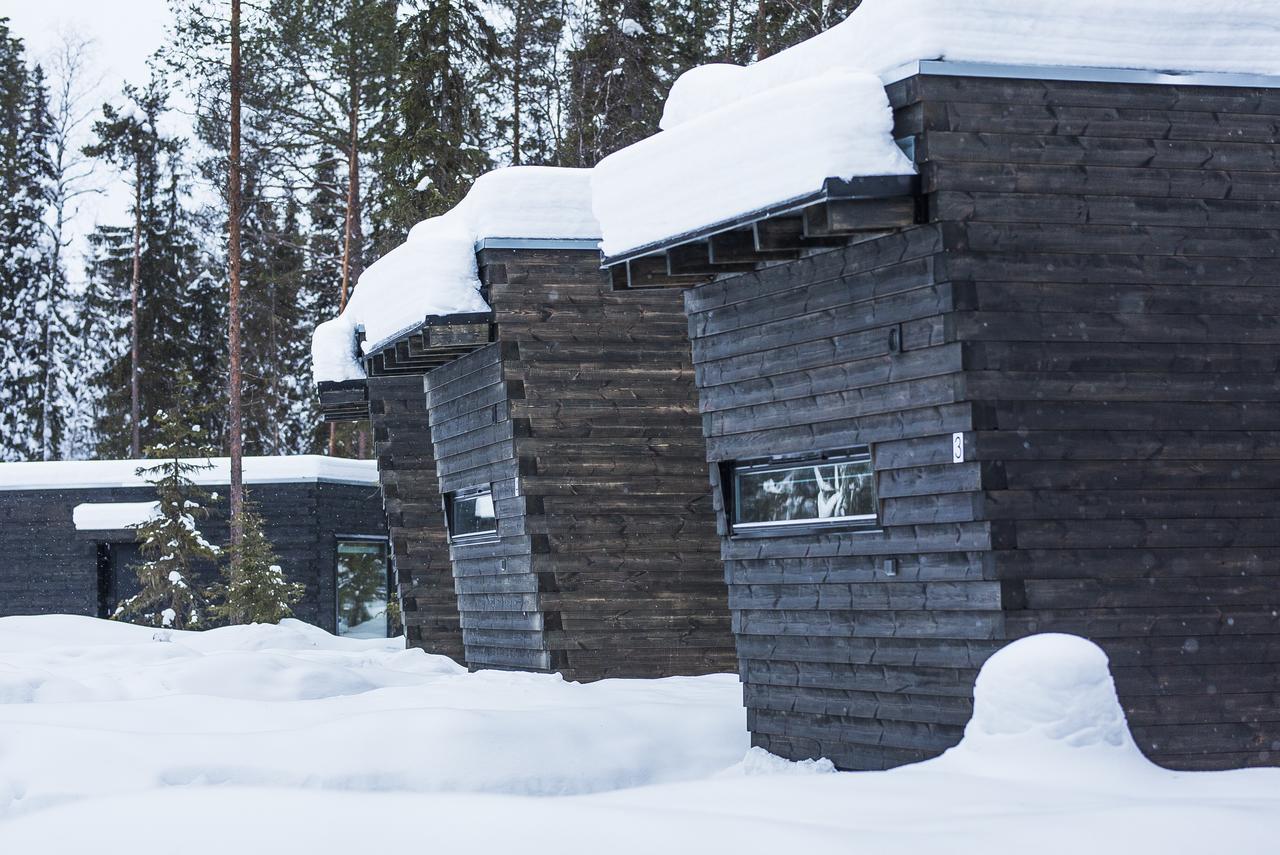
[(1036, 392), (569, 467), (391, 399), (66, 549)]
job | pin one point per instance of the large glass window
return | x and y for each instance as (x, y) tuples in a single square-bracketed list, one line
[(362, 586), (471, 514), (826, 490)]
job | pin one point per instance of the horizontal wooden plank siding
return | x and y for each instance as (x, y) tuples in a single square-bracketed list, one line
[(612, 473), (415, 520), (1114, 253), (857, 646), (1092, 305), (497, 591), (51, 568)]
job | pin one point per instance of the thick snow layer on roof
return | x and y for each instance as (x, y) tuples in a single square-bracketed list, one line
[(750, 154), (302, 468), (434, 271), (1240, 36), (109, 516), (738, 139)]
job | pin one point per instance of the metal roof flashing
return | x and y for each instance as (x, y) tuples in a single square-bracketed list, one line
[(1078, 73), (537, 243)]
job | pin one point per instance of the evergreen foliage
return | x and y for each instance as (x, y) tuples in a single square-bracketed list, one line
[(439, 115), (258, 592), (172, 547), (389, 108), (179, 324), (26, 175)]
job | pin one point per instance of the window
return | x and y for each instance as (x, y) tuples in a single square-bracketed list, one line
[(363, 581), (471, 514), (830, 489)]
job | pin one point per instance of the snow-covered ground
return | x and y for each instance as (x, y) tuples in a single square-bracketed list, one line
[(285, 739)]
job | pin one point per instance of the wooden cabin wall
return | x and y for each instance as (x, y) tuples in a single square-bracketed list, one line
[(859, 646), (470, 401), (1115, 254), (414, 516), (51, 568), (613, 479)]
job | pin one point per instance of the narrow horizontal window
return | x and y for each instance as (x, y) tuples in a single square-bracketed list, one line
[(833, 489), (471, 514)]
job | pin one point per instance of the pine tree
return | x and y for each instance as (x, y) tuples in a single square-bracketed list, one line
[(530, 69), (618, 80), (258, 592), (149, 284), (172, 545), (440, 115), (25, 178)]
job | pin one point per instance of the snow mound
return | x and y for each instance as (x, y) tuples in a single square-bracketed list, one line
[(749, 155), (1240, 36), (761, 762), (434, 271), (1046, 701), (92, 708)]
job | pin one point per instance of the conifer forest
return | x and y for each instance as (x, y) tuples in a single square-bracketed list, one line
[(360, 118)]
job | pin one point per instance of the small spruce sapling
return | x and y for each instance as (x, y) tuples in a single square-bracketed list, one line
[(258, 591), (171, 542)]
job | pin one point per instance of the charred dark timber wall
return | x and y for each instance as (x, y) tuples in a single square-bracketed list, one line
[(582, 417), (414, 516), (1093, 304), (49, 567)]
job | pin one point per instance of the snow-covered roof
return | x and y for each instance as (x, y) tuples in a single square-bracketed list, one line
[(1240, 36), (110, 516), (298, 469), (746, 156), (736, 140), (434, 273)]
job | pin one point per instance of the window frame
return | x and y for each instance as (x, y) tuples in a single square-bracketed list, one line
[(392, 588), (731, 491), (450, 514)]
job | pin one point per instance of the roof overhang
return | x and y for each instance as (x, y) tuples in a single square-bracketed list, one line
[(837, 212)]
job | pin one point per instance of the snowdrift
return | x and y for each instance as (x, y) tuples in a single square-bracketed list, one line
[(286, 739)]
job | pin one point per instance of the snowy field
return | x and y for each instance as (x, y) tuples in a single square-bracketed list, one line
[(285, 739)]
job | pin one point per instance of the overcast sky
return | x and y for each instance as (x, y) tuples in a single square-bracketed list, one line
[(123, 34)]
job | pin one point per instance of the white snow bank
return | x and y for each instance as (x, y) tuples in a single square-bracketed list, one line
[(297, 469), (104, 516), (747, 156), (91, 709), (1162, 35), (1050, 695), (434, 271)]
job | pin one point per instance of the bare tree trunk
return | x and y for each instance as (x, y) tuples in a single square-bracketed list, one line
[(353, 233), (233, 309), (135, 405), (762, 50), (517, 68), (728, 40)]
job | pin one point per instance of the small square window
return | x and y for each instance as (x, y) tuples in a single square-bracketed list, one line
[(471, 514), (835, 489)]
